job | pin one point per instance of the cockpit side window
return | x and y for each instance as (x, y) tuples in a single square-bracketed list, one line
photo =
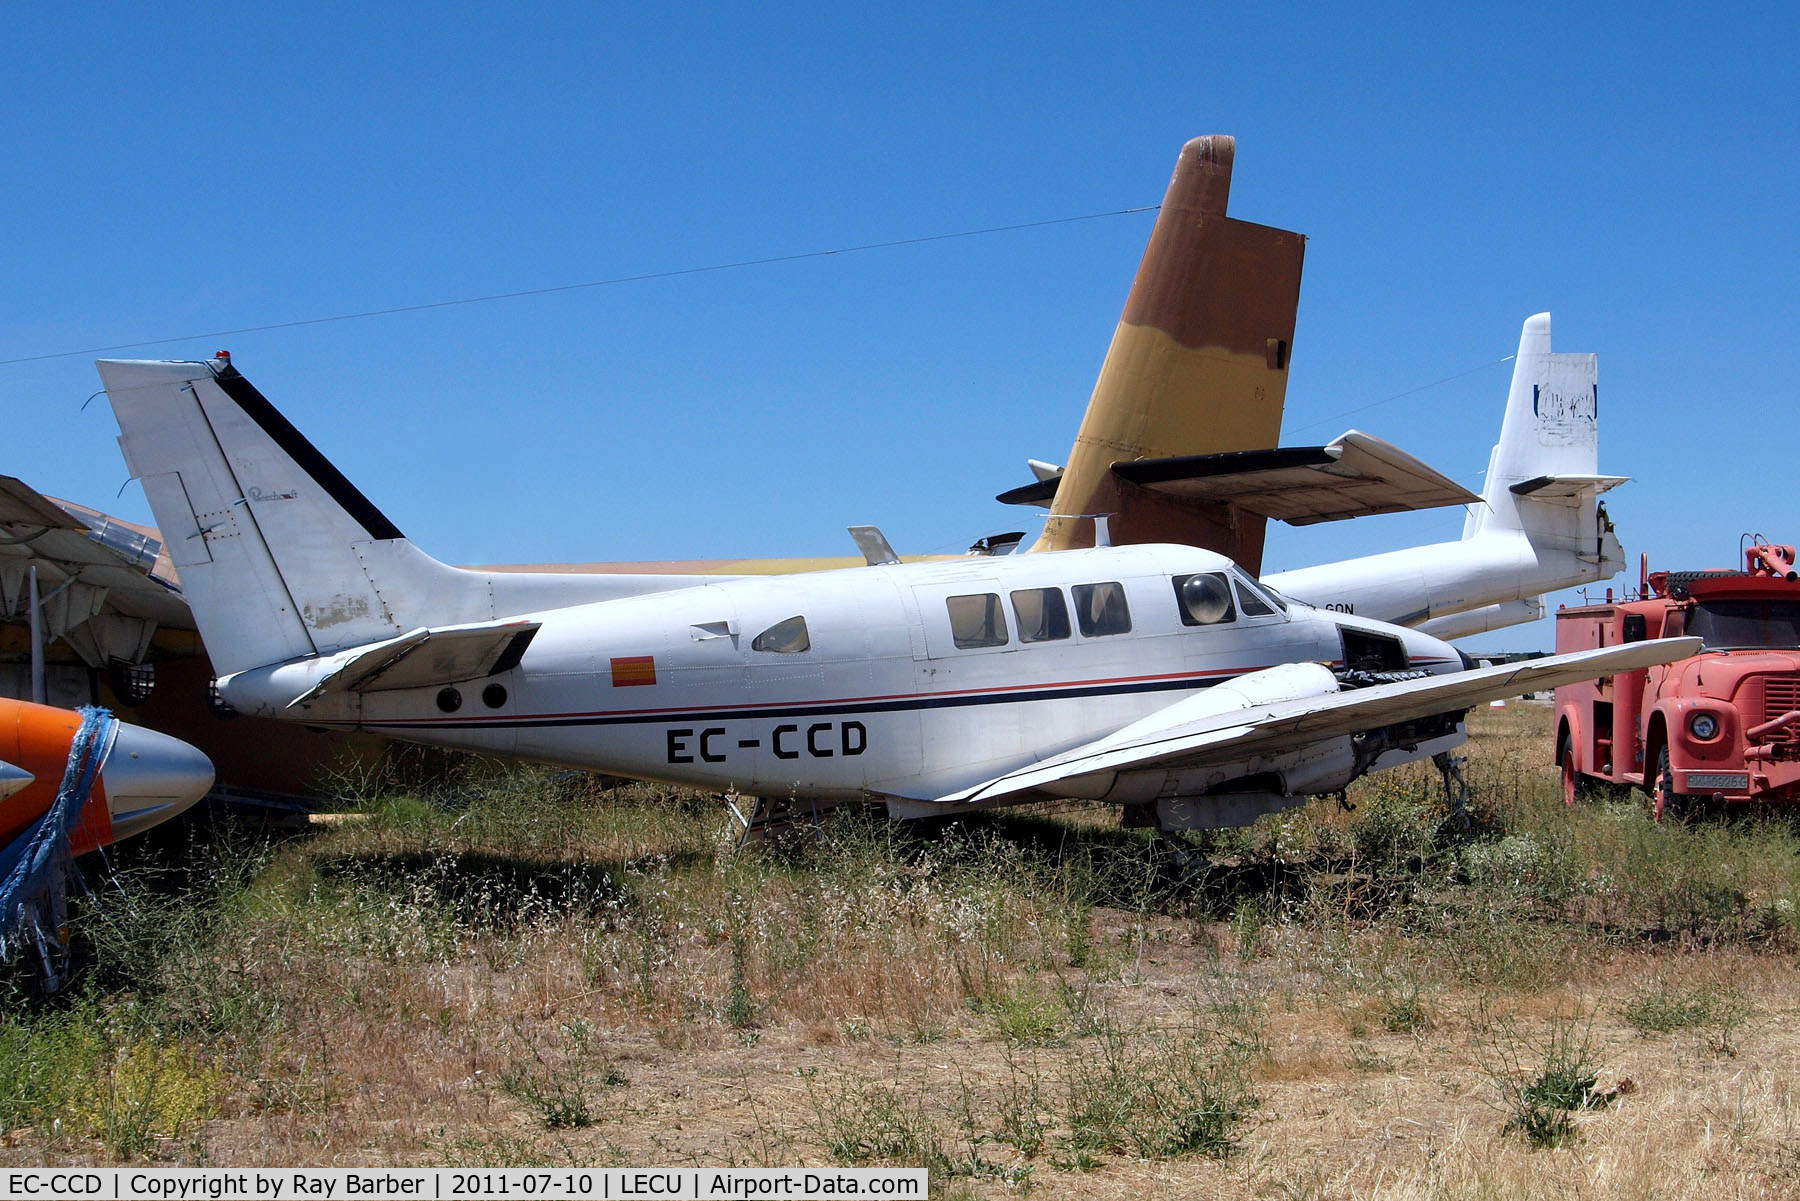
[(1251, 603), (787, 637), (976, 621), (1100, 610), (1204, 599), (1042, 614)]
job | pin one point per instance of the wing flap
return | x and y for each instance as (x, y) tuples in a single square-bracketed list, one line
[(21, 504), (1176, 738), (107, 581)]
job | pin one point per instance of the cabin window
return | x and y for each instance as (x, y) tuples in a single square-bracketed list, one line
[(976, 621), (787, 637), (1251, 603), (1042, 613), (1205, 598), (1100, 610)]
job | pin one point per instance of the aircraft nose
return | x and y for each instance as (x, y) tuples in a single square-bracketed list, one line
[(151, 777)]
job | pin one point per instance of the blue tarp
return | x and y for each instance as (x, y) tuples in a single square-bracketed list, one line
[(35, 867)]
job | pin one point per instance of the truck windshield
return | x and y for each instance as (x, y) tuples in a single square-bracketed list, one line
[(1740, 624)]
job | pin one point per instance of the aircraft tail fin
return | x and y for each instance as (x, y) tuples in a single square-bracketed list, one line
[(1539, 528), (1198, 365), (280, 556), (1543, 476)]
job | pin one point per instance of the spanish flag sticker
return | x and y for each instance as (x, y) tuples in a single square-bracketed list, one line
[(639, 669)]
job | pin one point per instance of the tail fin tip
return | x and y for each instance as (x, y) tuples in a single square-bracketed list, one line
[(1202, 180)]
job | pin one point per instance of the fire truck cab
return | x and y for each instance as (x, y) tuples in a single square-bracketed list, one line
[(1723, 726)]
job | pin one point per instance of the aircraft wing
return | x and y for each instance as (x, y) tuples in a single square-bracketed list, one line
[(104, 585), (1192, 733)]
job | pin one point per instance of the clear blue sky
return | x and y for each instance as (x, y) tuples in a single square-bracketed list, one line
[(174, 170)]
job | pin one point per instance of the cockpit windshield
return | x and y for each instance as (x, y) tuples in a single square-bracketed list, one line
[(1746, 624), (1267, 595)]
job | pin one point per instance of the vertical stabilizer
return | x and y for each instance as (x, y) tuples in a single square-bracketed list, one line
[(1550, 430), (1540, 526), (1198, 365), (280, 556), (266, 534)]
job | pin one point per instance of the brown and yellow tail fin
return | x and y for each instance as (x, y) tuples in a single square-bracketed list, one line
[(1199, 365)]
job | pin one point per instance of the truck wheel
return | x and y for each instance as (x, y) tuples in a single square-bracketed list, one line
[(1663, 797), (1577, 785), (1571, 779)]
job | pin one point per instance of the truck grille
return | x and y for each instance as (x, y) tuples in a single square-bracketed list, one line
[(1781, 695)]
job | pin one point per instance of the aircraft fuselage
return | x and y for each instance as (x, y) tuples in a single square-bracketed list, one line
[(904, 680)]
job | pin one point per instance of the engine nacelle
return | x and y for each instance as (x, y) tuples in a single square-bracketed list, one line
[(1239, 793), (1311, 763)]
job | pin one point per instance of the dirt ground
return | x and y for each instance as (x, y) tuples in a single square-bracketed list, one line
[(1355, 1051)]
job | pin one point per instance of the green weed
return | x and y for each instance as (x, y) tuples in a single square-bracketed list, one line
[(65, 1072), (878, 1124), (1028, 1015), (1022, 1107), (1158, 1095), (1542, 1086), (1720, 1010), (562, 1085), (1404, 1009)]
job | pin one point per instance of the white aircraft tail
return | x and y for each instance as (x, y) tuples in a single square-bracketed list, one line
[(1540, 526), (280, 556), (1542, 477)]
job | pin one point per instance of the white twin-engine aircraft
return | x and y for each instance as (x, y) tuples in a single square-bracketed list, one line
[(1159, 677)]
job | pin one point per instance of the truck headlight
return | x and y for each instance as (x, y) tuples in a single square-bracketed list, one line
[(1703, 726)]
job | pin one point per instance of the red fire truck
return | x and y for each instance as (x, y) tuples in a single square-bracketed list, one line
[(1722, 726)]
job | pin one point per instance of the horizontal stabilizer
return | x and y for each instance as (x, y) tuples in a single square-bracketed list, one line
[(1038, 492), (1567, 488), (1355, 476), (424, 657), (1176, 737)]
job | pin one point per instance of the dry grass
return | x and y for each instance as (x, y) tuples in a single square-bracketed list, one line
[(533, 971)]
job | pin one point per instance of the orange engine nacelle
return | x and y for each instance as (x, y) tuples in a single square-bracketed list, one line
[(145, 778)]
